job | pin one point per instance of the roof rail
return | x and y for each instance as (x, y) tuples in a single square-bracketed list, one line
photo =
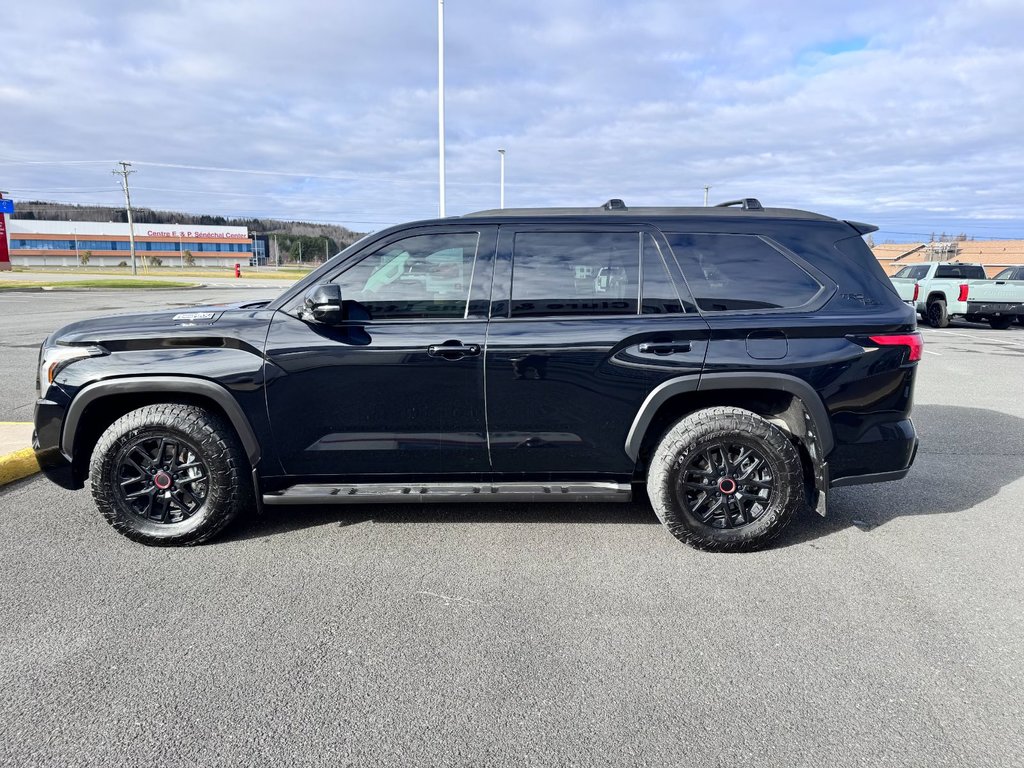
[(615, 204), (746, 203)]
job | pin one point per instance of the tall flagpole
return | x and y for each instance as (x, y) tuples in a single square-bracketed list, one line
[(440, 101)]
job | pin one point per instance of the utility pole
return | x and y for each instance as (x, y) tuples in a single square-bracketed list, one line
[(706, 188), (440, 101), (327, 246), (123, 171)]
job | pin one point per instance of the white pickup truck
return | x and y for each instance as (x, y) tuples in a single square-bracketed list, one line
[(940, 290)]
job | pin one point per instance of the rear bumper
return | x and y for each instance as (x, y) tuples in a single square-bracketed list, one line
[(995, 308), (882, 453)]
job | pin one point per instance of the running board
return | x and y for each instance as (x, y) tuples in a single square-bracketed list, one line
[(427, 493)]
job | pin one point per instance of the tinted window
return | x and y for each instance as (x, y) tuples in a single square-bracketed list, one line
[(659, 294), (1010, 273), (421, 276), (575, 273), (960, 270), (736, 272), (914, 273)]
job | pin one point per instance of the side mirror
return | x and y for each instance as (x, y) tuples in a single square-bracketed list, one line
[(323, 303)]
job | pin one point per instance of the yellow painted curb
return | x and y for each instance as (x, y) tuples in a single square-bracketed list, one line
[(17, 465)]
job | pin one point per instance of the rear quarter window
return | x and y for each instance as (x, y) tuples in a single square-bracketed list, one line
[(728, 273)]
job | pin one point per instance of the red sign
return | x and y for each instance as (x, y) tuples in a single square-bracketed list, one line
[(5, 256)]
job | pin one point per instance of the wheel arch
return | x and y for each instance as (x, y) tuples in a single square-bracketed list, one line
[(936, 296), (98, 405), (778, 396)]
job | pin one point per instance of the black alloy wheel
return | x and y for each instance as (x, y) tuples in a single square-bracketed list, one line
[(170, 474), (161, 479), (726, 479), (937, 317), (727, 484)]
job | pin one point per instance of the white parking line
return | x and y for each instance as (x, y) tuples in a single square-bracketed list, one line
[(981, 338), (928, 351)]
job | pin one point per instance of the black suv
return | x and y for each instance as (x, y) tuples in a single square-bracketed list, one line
[(737, 361)]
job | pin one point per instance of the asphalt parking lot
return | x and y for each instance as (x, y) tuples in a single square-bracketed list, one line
[(889, 633)]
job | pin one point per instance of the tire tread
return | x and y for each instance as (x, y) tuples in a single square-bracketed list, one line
[(212, 432)]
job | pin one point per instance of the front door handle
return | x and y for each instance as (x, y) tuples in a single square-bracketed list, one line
[(664, 347), (453, 350)]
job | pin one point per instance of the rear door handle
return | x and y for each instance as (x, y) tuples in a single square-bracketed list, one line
[(453, 350), (664, 347)]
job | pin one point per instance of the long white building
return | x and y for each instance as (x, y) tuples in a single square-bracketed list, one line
[(69, 243)]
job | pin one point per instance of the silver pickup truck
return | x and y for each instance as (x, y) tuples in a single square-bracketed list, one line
[(940, 290)]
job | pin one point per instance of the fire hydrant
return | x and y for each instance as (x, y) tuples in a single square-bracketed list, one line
[(238, 270)]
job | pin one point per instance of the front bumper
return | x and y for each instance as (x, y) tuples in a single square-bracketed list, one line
[(49, 420)]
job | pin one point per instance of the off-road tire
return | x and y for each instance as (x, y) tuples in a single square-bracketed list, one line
[(209, 437), (1002, 322), (937, 317), (694, 435)]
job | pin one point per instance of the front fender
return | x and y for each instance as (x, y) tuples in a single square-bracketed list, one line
[(189, 385)]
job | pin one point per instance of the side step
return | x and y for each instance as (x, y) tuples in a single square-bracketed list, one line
[(428, 493)]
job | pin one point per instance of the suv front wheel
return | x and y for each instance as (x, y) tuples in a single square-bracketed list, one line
[(170, 474), (725, 479)]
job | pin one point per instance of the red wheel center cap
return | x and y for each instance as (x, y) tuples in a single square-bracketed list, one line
[(162, 480), (727, 485)]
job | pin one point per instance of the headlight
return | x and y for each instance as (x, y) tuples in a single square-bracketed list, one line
[(53, 359)]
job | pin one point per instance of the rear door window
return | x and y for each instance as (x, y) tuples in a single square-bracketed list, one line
[(728, 273), (575, 273), (659, 294)]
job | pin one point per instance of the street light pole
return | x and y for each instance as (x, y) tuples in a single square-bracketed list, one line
[(502, 153), (706, 188), (440, 102)]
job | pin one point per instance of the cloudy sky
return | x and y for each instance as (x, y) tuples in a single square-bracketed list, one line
[(906, 114)]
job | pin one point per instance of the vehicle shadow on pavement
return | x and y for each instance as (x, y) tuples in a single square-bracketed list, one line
[(983, 445), (967, 455), (284, 519)]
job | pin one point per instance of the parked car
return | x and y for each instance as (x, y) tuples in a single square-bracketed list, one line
[(1013, 273), (735, 363), (939, 290)]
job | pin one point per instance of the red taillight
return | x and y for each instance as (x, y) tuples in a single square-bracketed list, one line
[(911, 340), (917, 291), (964, 289)]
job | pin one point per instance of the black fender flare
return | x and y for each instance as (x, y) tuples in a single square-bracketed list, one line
[(150, 384), (708, 382)]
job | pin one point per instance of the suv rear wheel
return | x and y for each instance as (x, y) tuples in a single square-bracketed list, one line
[(726, 479), (170, 474)]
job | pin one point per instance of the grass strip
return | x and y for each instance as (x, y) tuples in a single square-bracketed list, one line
[(20, 285)]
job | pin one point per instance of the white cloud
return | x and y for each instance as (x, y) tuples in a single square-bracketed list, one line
[(905, 114)]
